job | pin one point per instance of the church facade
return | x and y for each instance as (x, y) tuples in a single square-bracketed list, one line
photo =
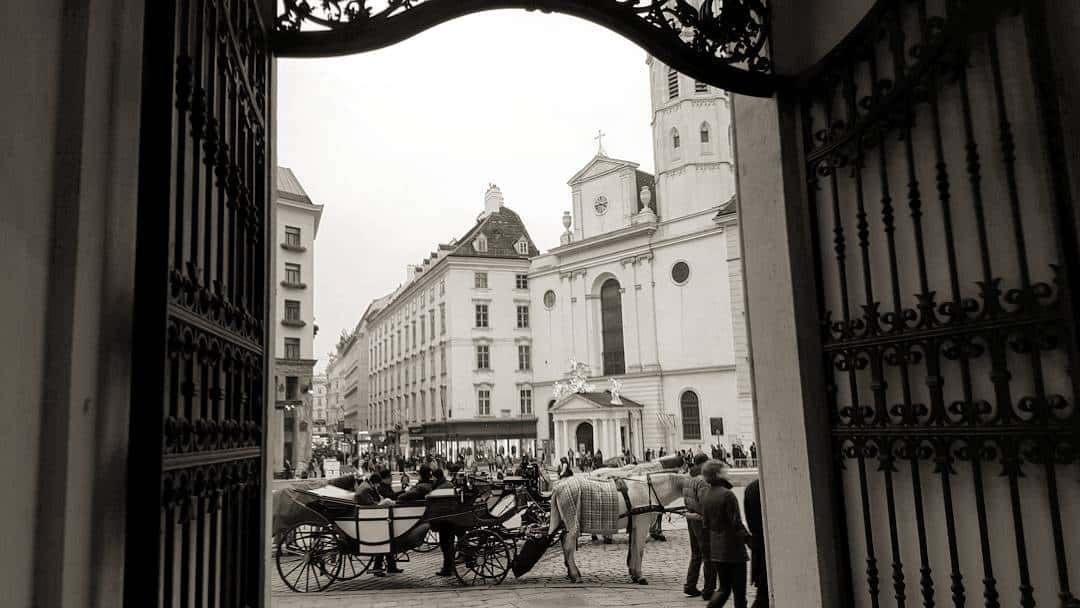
[(646, 287)]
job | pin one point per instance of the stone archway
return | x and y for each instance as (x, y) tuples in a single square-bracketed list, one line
[(584, 438)]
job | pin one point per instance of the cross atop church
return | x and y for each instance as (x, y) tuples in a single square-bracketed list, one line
[(600, 143)]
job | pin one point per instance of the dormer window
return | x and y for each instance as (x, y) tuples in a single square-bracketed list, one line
[(675, 141), (672, 84), (522, 246), (700, 87), (480, 243)]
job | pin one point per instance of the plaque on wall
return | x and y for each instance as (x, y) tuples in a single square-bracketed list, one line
[(716, 426)]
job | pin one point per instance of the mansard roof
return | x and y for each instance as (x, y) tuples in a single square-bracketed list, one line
[(288, 185), (502, 228)]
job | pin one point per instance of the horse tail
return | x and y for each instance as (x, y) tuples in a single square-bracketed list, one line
[(556, 519)]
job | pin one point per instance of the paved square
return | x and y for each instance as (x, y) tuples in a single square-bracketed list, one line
[(603, 567)]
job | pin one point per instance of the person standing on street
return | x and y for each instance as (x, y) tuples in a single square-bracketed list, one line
[(727, 536), (699, 542), (758, 576), (446, 533)]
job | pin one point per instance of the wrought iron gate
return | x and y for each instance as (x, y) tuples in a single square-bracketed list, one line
[(195, 499), (947, 273)]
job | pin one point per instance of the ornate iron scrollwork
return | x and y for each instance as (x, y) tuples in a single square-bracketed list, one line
[(721, 42)]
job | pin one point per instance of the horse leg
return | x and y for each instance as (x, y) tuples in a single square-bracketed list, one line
[(569, 547), (636, 551)]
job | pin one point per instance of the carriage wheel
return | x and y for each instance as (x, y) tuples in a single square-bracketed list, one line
[(482, 558), (353, 566), (431, 542), (309, 557)]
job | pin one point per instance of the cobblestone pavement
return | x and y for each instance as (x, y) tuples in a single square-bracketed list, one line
[(606, 582)]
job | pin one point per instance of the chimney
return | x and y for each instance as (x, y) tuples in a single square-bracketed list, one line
[(493, 199)]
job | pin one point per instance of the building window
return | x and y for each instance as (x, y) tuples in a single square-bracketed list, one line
[(526, 401), (524, 357), (700, 87), (483, 402), (442, 359), (691, 416), (442, 319), (483, 356), (480, 243), (680, 272), (292, 236), (481, 315), (442, 287), (292, 388), (672, 84), (292, 273), (521, 281), (292, 310), (523, 317), (704, 132), (675, 141), (549, 299), (423, 330), (612, 327), (480, 280), (292, 348), (522, 246)]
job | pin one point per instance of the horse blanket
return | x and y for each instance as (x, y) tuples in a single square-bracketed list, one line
[(588, 505)]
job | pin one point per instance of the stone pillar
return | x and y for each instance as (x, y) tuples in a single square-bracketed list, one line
[(650, 359), (596, 334), (803, 555)]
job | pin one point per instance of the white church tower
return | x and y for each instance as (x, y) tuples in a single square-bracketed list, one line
[(692, 149)]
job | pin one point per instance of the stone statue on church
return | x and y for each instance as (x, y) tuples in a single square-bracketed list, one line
[(615, 389)]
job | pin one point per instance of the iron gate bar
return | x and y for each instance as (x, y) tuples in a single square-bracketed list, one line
[(1022, 326), (727, 48)]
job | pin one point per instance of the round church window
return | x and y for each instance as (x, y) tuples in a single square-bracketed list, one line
[(680, 272), (549, 299), (600, 204)]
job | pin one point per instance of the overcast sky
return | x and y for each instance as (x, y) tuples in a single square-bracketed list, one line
[(400, 144)]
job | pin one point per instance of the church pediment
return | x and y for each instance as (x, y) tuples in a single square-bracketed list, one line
[(600, 165), (592, 402)]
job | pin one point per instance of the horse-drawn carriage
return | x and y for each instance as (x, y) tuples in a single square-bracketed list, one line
[(334, 539)]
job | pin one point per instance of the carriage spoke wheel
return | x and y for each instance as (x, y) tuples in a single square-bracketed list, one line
[(353, 566), (309, 557), (431, 542), (482, 558)]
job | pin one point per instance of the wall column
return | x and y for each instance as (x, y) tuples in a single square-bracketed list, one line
[(650, 359), (631, 329)]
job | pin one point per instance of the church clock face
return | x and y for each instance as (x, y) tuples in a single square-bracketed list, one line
[(600, 205)]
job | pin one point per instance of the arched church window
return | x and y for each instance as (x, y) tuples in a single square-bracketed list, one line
[(672, 84), (612, 327), (704, 132), (675, 141), (691, 416)]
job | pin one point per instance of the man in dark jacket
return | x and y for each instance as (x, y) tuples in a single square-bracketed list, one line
[(446, 533), (367, 493), (727, 536), (699, 542), (385, 489), (419, 490), (758, 576)]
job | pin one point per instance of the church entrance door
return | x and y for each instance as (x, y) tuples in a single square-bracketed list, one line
[(583, 441)]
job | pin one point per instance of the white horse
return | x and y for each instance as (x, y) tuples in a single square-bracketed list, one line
[(656, 489)]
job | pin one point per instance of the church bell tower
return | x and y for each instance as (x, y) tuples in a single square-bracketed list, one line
[(692, 149)]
